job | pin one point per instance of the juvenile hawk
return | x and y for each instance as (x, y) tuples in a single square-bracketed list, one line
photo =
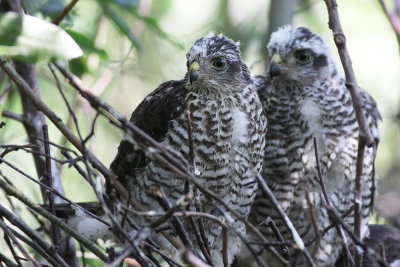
[(304, 96), (228, 131)]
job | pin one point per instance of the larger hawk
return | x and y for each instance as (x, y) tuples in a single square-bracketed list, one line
[(228, 131), (304, 96)]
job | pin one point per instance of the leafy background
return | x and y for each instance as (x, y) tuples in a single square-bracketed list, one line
[(131, 46)]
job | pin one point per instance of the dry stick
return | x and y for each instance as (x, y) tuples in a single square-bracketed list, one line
[(275, 230), (334, 215), (296, 237), (199, 233), (193, 260), (37, 248), (162, 199), (199, 208), (163, 255), (393, 18), (65, 12), (365, 136), (351, 82), (32, 234), (12, 191), (18, 244), (358, 198), (7, 261), (382, 251), (53, 191), (14, 116), (49, 182), (328, 202), (12, 249), (314, 222)]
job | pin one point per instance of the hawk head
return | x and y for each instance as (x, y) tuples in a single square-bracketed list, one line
[(299, 55), (214, 65)]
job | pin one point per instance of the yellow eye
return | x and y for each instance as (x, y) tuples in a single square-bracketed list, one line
[(219, 63), (302, 56)]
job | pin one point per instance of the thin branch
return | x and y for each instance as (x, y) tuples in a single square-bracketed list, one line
[(328, 202), (335, 216), (351, 82), (12, 191), (14, 116), (49, 182), (296, 237), (65, 12), (18, 244), (38, 240)]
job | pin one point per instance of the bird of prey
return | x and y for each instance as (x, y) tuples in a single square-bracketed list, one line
[(227, 135), (304, 96)]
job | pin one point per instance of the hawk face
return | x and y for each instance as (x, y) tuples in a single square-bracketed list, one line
[(215, 66), (299, 56)]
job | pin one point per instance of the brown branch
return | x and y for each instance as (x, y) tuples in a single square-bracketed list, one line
[(14, 116), (351, 82), (44, 245), (335, 216), (328, 202), (358, 198), (12, 191), (393, 18), (18, 244), (49, 182), (296, 237), (65, 12)]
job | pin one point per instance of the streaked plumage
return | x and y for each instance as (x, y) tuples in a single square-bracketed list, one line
[(305, 96), (227, 131)]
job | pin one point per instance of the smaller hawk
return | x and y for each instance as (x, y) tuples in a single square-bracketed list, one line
[(304, 96)]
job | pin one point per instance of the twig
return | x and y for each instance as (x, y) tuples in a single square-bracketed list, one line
[(162, 199), (393, 18), (351, 82), (12, 249), (328, 202), (275, 230), (334, 215), (198, 206), (7, 261), (18, 244), (313, 220), (14, 116), (168, 259), (38, 240), (358, 199), (296, 237), (65, 12), (192, 260), (12, 191), (49, 182)]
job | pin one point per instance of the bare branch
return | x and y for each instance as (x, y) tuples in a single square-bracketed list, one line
[(351, 82), (296, 237)]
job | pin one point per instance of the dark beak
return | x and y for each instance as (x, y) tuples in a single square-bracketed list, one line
[(193, 76), (274, 70)]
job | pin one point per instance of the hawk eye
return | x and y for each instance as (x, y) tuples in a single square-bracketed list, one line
[(302, 56), (218, 63)]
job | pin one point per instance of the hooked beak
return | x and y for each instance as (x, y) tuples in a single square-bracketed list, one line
[(194, 71), (275, 68)]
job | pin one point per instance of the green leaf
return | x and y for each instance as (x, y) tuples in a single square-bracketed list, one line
[(87, 44), (153, 24), (122, 25), (32, 39)]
